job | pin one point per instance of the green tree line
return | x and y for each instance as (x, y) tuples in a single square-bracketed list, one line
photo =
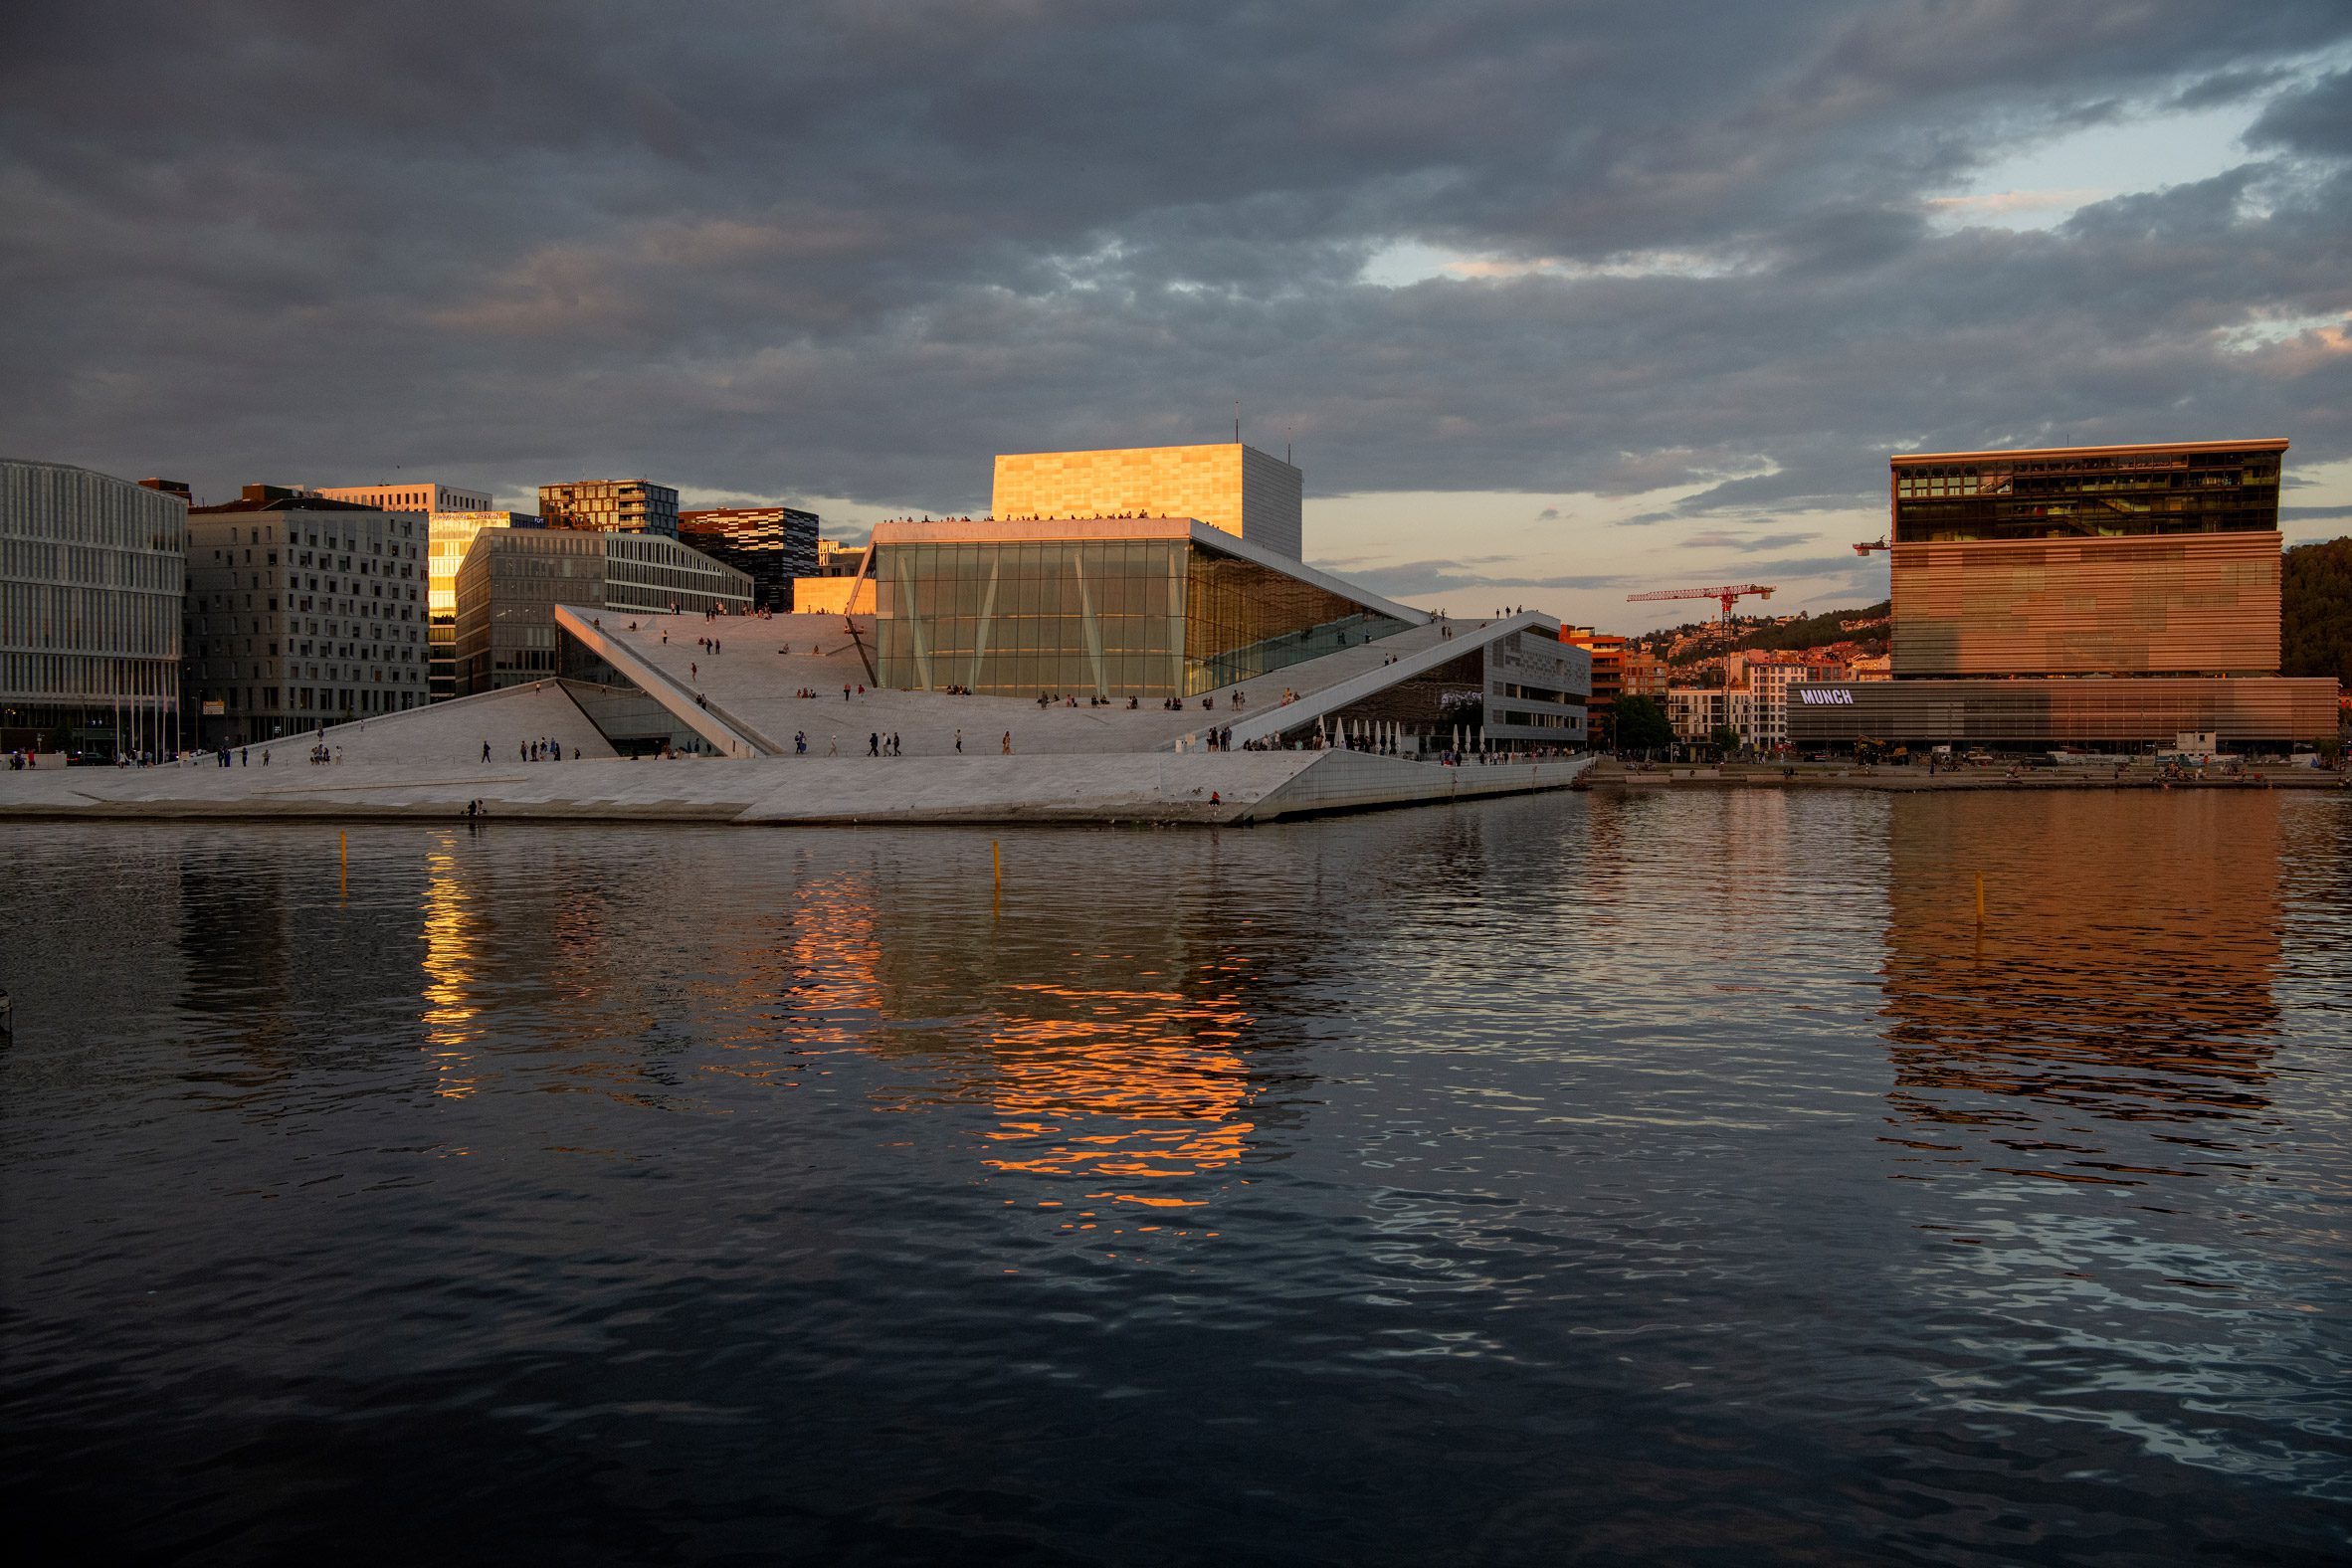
[(2315, 610)]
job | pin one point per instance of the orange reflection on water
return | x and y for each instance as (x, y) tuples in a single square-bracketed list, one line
[(1135, 1084), (2122, 973), (452, 938)]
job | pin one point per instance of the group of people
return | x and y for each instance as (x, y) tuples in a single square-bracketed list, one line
[(540, 750)]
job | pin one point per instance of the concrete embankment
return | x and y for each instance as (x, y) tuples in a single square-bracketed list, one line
[(1621, 776), (1195, 787)]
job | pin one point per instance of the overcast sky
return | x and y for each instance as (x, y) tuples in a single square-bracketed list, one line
[(1555, 300)]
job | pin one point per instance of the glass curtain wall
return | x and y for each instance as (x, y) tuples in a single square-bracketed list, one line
[(1241, 618), (2091, 496), (1118, 617), (1100, 617)]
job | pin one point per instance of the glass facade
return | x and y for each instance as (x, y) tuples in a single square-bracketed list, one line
[(2087, 493), (1126, 617), (454, 533), (770, 544)]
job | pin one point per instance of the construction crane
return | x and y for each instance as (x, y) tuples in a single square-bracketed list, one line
[(1866, 546), (1727, 597), (1724, 595)]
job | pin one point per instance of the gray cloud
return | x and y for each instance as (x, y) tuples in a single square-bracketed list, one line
[(848, 250), (1751, 545)]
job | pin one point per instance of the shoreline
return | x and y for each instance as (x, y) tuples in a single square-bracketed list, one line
[(1611, 775)]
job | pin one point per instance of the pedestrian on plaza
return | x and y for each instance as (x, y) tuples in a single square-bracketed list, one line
[(873, 743), (486, 751), (1006, 745), (959, 742), (244, 755)]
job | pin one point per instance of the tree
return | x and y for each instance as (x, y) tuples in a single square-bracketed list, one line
[(1725, 740), (2315, 610), (1641, 724)]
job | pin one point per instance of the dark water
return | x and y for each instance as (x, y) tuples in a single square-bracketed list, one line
[(1571, 1179)]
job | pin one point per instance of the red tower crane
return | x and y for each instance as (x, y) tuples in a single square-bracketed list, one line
[(1724, 595)]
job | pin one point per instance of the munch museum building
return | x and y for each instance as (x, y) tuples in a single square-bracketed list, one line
[(2084, 596)]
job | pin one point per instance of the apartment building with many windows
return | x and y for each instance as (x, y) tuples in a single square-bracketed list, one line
[(300, 612), (611, 507)]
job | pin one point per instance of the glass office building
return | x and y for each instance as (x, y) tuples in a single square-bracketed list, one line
[(93, 574), (771, 545), (452, 534), (1113, 607), (2087, 560), (511, 580)]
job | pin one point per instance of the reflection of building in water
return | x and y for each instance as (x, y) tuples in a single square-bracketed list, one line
[(1104, 1041), (452, 951), (1158, 1064), (2124, 967)]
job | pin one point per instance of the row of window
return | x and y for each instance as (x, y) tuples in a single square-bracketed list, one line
[(93, 677)]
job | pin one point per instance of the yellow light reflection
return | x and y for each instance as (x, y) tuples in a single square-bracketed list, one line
[(450, 951), (1133, 1085)]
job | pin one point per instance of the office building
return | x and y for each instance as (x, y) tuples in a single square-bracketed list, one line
[(2099, 596), (452, 534), (423, 496), (611, 507), (511, 580), (1150, 607), (93, 573), (1232, 487), (302, 611), (771, 545)]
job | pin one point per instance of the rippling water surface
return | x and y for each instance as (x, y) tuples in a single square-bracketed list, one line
[(1666, 1180)]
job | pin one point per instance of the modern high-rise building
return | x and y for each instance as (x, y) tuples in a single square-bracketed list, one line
[(423, 496), (452, 534), (2082, 595), (611, 507), (1234, 488), (771, 544), (92, 572), (513, 579), (302, 612)]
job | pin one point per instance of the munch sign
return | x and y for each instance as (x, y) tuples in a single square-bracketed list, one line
[(1831, 697)]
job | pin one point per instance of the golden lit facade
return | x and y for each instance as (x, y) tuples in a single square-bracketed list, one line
[(2099, 596), (2087, 560), (1232, 487), (452, 534)]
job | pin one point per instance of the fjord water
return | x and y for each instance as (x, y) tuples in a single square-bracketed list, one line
[(1635, 1179)]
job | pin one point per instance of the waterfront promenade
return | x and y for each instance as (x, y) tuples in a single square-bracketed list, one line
[(1610, 774), (1156, 787)]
